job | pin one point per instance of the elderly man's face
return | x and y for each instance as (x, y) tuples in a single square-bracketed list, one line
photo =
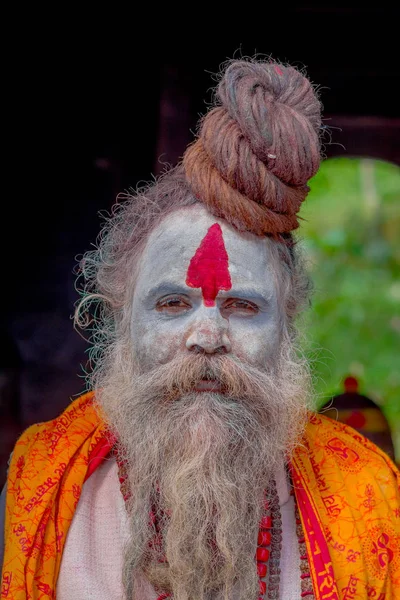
[(203, 287)]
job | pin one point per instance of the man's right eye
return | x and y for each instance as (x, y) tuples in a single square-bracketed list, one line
[(172, 304)]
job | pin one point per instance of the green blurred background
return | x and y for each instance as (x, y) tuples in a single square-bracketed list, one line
[(351, 236)]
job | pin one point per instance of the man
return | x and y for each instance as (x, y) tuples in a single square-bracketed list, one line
[(197, 469)]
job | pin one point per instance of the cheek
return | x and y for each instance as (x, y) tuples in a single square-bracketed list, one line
[(255, 344), (153, 345)]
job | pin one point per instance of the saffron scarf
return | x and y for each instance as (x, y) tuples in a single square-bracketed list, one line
[(347, 493)]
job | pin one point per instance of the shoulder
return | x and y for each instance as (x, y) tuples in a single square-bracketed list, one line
[(79, 410), (76, 421), (351, 451)]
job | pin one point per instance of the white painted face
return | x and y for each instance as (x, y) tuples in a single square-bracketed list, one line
[(233, 310)]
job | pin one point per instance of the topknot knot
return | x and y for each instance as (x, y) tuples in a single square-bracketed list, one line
[(257, 148)]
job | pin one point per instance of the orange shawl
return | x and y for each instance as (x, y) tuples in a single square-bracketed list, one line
[(347, 492)]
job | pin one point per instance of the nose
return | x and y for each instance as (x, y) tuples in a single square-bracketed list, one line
[(209, 334)]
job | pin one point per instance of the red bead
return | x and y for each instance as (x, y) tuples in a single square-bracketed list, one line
[(262, 569), (262, 554), (264, 538), (263, 587), (266, 523)]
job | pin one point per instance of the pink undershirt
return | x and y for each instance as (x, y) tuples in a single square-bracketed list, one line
[(91, 566)]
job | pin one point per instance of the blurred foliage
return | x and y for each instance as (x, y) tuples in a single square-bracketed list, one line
[(351, 238)]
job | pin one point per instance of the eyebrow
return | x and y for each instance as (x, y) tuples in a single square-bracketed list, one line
[(243, 291), (164, 288)]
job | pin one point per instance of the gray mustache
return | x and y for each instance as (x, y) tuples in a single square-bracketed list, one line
[(183, 374)]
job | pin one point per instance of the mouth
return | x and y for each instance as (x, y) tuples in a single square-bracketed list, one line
[(208, 385)]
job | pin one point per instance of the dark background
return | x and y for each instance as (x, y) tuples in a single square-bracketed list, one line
[(98, 102)]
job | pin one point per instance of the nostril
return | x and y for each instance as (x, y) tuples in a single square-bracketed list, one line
[(197, 349), (208, 341), (221, 350)]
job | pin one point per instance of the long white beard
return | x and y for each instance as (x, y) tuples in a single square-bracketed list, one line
[(202, 462)]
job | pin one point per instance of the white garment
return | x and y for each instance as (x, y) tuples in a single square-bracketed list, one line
[(91, 566)]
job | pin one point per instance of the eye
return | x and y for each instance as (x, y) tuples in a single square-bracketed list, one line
[(172, 305), (237, 305)]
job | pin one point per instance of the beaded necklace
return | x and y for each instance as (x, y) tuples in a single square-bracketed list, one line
[(269, 544)]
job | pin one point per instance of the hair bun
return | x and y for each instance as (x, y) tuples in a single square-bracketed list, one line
[(258, 147)]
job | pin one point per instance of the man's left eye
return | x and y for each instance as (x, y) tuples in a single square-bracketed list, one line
[(242, 306)]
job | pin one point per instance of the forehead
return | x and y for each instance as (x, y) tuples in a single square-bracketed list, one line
[(172, 245)]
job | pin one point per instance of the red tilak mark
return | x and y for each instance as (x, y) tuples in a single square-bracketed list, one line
[(278, 70), (208, 269)]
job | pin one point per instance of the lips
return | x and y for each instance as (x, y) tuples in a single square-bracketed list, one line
[(208, 385)]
